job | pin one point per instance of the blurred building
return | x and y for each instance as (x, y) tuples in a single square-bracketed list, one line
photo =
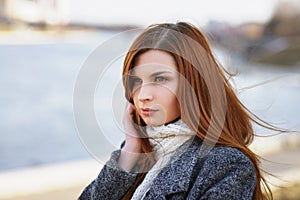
[(285, 21), (252, 30), (2, 11), (48, 12)]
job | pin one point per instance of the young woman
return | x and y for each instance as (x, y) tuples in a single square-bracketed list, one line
[(187, 133)]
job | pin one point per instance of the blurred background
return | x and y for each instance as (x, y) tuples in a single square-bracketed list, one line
[(43, 44)]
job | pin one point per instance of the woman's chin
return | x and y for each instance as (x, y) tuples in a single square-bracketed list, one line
[(153, 122)]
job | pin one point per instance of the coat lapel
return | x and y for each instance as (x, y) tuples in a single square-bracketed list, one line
[(176, 176)]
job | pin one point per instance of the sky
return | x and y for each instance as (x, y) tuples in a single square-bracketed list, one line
[(141, 12)]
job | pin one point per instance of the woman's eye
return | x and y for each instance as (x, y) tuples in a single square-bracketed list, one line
[(136, 81), (160, 79)]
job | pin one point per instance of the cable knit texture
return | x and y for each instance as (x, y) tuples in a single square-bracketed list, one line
[(164, 139), (222, 173)]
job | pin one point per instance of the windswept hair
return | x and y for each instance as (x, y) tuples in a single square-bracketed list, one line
[(208, 103)]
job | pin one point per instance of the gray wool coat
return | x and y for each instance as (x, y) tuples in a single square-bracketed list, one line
[(220, 173)]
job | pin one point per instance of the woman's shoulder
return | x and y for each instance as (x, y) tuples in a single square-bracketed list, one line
[(227, 152), (226, 156), (218, 153)]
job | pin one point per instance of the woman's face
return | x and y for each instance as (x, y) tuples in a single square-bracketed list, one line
[(155, 83)]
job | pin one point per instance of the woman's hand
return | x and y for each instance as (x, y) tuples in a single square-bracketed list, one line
[(132, 139), (131, 151)]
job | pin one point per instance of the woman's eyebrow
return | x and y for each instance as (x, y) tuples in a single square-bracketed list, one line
[(159, 73), (134, 75), (131, 76)]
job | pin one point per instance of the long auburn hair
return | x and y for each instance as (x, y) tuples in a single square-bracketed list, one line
[(208, 103)]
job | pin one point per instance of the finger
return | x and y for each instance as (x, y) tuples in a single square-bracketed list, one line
[(130, 108), (129, 112)]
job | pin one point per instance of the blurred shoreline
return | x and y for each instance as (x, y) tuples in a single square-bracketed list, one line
[(35, 37), (272, 50), (47, 179)]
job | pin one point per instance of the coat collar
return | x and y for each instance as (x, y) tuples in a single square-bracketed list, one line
[(176, 176)]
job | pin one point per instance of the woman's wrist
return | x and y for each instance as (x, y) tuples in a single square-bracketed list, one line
[(128, 160), (130, 154), (132, 145)]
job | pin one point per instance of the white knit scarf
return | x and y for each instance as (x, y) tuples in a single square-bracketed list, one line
[(165, 140)]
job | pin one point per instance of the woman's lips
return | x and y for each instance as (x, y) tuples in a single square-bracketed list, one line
[(147, 111)]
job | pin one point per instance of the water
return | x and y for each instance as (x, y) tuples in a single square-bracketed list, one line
[(274, 94), (37, 82)]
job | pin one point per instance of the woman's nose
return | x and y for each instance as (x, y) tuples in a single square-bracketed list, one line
[(145, 93)]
